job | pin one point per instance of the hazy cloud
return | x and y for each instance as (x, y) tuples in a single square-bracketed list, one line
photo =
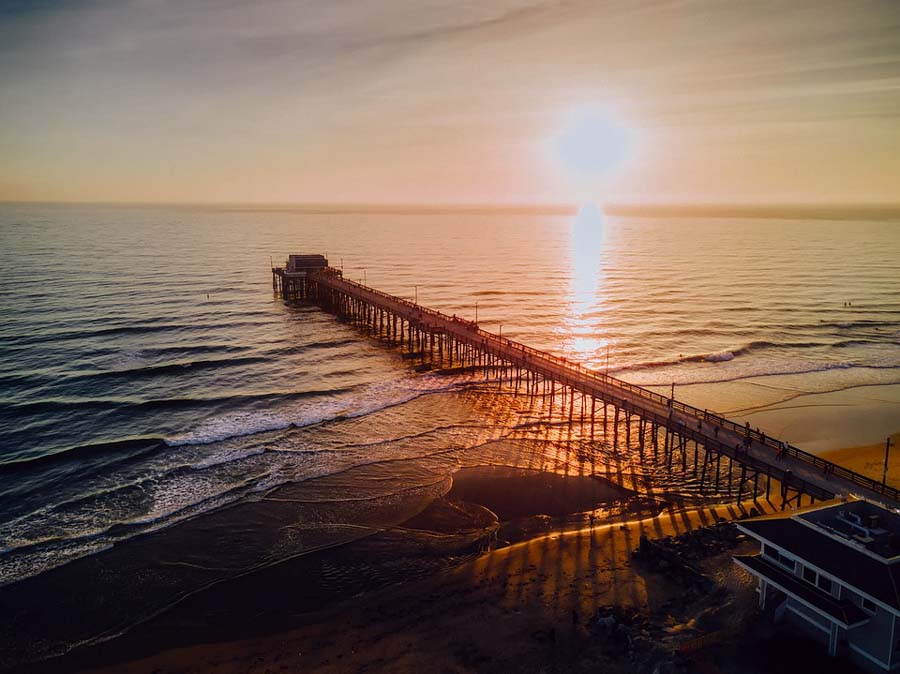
[(432, 99)]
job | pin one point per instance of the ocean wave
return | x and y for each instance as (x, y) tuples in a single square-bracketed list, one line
[(222, 459), (420, 434), (148, 353), (694, 358), (859, 323), (45, 473), (63, 513), (130, 447), (863, 342), (48, 469), (177, 368), (377, 397), (726, 355), (293, 349), (271, 397), (102, 332), (769, 373), (145, 328), (50, 552), (53, 405), (719, 357)]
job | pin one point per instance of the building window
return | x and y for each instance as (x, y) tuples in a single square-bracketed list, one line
[(818, 580), (869, 605)]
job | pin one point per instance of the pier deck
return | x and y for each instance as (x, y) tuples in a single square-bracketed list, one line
[(711, 436)]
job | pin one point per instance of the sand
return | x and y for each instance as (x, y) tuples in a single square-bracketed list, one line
[(869, 460), (524, 607)]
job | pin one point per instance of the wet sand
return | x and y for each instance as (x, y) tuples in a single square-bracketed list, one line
[(525, 607), (431, 595)]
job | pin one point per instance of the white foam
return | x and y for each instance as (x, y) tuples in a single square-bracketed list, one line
[(748, 370), (720, 357), (310, 411), (228, 457)]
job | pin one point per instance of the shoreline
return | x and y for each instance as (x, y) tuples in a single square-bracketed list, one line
[(457, 546), (534, 601), (441, 553)]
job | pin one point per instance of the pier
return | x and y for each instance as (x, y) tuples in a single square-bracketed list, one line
[(716, 449)]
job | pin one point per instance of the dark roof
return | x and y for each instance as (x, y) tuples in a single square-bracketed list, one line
[(877, 527), (847, 614), (299, 261), (853, 567)]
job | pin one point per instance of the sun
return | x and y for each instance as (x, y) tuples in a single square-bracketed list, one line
[(593, 142)]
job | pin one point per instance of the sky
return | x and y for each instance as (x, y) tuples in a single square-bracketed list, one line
[(450, 101)]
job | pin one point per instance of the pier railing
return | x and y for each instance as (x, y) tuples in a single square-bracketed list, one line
[(614, 385)]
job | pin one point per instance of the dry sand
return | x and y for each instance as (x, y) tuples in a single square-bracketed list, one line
[(869, 460)]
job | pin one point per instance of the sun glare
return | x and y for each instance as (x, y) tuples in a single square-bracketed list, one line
[(586, 339), (593, 143)]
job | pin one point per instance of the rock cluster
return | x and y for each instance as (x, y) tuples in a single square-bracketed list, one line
[(681, 554), (633, 636)]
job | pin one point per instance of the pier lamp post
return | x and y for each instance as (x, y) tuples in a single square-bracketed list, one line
[(887, 451), (364, 278), (476, 312), (417, 295)]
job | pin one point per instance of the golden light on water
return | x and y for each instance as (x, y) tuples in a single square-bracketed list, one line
[(592, 145), (583, 329)]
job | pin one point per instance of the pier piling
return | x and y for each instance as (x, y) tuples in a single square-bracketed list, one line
[(436, 339)]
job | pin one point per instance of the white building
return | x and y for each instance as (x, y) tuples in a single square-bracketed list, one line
[(834, 571)]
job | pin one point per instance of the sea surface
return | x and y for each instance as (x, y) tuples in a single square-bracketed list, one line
[(149, 377)]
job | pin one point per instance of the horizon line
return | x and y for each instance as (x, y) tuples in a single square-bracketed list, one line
[(698, 208)]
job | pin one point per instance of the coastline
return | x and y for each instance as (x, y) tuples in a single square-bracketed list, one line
[(529, 606), (513, 563), (497, 584)]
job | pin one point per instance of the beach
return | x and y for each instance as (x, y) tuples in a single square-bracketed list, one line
[(869, 460), (539, 572), (529, 592)]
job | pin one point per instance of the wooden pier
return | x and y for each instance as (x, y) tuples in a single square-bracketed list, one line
[(677, 431)]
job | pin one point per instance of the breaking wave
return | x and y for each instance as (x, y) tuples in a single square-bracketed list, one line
[(754, 347)]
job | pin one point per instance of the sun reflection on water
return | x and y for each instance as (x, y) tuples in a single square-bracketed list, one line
[(585, 337)]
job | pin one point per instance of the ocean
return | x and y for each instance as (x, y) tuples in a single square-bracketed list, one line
[(163, 413)]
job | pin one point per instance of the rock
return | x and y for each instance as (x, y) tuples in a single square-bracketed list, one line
[(644, 545), (607, 622)]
